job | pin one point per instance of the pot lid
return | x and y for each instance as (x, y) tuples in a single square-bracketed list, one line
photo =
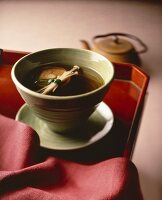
[(114, 45)]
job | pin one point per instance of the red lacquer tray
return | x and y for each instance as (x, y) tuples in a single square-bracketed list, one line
[(125, 97)]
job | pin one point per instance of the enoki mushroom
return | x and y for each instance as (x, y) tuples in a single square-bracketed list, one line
[(54, 83)]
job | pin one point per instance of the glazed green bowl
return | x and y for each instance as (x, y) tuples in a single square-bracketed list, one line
[(63, 113)]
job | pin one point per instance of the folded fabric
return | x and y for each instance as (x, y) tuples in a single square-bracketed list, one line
[(27, 173)]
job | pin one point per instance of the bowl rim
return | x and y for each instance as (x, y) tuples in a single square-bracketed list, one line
[(54, 97)]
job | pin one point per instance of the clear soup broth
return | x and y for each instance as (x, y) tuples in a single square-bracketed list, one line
[(86, 80)]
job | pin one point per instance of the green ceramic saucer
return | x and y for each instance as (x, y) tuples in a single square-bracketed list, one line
[(98, 125)]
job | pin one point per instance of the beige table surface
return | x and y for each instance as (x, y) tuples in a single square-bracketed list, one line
[(36, 24)]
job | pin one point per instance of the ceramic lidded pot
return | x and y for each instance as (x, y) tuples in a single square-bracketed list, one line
[(63, 113), (117, 47)]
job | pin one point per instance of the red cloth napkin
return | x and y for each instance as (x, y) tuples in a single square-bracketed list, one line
[(27, 174)]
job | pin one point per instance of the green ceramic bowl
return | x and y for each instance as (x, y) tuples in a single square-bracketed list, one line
[(63, 113)]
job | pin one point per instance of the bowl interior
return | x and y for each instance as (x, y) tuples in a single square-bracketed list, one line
[(63, 56)]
